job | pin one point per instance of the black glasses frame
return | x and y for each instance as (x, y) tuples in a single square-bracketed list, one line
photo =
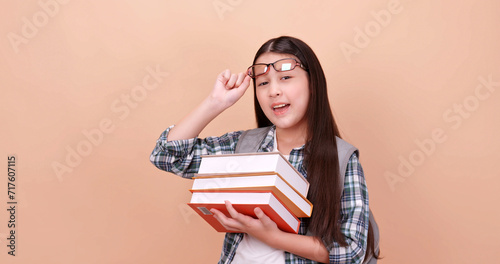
[(249, 70)]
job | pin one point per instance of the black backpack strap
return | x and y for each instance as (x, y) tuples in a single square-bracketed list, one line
[(250, 140)]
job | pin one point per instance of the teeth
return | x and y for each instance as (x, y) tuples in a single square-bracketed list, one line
[(278, 106)]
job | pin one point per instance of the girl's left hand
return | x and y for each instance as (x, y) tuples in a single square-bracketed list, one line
[(262, 228)]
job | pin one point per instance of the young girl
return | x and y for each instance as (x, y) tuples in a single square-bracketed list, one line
[(290, 97)]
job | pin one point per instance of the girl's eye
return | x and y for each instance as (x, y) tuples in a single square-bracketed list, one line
[(263, 83), (285, 77)]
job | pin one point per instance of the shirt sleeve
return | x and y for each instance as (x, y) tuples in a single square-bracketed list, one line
[(355, 216), (183, 157)]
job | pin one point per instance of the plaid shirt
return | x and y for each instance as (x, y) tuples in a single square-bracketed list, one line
[(182, 157)]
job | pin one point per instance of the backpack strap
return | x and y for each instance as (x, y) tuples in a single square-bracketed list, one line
[(345, 151), (250, 140)]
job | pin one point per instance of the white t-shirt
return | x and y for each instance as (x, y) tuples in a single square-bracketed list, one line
[(253, 251)]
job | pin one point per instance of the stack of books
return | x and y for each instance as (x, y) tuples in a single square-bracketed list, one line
[(265, 179)]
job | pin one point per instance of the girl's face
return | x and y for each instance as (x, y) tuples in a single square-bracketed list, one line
[(283, 96)]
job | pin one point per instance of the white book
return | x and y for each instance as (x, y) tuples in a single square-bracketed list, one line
[(294, 201), (260, 163)]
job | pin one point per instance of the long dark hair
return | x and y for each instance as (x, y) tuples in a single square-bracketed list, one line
[(320, 157)]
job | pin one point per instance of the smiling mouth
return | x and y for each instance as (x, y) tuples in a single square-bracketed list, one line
[(281, 108)]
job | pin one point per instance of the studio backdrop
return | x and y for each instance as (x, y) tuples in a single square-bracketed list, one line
[(87, 87)]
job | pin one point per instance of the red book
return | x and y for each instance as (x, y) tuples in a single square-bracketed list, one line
[(244, 202), (294, 201)]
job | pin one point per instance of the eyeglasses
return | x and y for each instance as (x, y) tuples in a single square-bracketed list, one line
[(282, 65)]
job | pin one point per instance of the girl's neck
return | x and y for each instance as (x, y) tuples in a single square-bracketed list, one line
[(290, 138)]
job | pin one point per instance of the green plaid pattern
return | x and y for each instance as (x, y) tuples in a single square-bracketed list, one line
[(182, 157)]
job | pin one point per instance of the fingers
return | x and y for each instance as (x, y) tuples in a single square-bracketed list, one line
[(240, 89), (231, 81), (262, 216), (226, 222), (236, 221), (243, 82), (230, 209), (241, 78), (226, 74), (246, 82)]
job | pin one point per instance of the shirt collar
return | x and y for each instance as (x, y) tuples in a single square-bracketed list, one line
[(269, 143)]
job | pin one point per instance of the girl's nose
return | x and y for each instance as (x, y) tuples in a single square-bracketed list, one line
[(275, 90)]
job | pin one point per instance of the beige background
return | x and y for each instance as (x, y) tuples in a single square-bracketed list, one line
[(407, 91)]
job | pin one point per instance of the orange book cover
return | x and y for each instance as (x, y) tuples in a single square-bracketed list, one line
[(244, 202), (294, 201)]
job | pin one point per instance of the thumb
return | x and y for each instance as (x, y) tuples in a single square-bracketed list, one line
[(246, 81), (223, 77), (262, 216), (239, 91), (244, 85)]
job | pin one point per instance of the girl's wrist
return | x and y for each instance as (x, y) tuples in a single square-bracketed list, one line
[(273, 239), (214, 106)]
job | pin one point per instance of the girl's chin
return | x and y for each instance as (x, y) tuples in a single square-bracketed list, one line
[(284, 125)]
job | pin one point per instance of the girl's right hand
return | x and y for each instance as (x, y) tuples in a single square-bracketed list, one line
[(229, 88)]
